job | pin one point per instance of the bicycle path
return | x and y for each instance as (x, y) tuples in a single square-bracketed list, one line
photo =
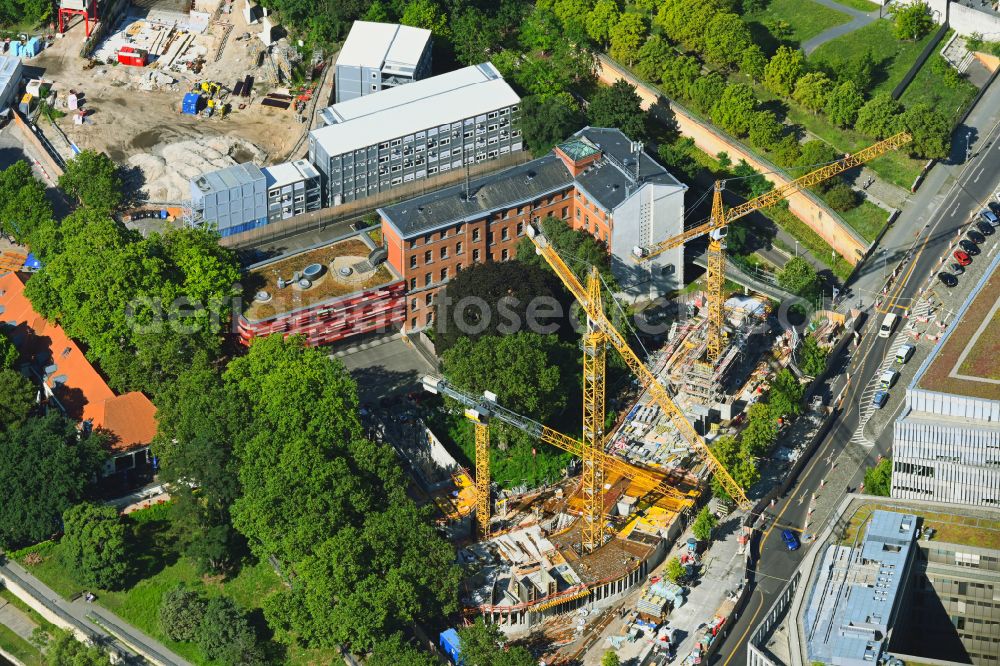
[(859, 19)]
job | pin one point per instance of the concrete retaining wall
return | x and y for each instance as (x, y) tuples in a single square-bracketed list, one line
[(14, 585), (38, 149), (827, 224)]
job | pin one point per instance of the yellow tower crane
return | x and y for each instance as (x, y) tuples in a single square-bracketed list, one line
[(717, 223), (483, 410), (594, 367)]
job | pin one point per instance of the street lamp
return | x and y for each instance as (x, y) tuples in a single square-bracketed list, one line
[(796, 247)]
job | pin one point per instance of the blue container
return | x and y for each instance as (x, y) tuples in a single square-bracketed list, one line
[(163, 214), (451, 645), (33, 47), (191, 103)]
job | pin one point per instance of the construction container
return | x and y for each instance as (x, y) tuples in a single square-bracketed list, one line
[(132, 56), (32, 48), (72, 102), (191, 104), (27, 104), (452, 646)]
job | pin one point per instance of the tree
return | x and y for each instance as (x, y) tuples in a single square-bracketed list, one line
[(44, 469), (687, 21), (680, 73), (816, 153), (226, 636), (499, 299), (600, 20), (610, 658), (546, 121), (811, 91), (618, 106), (674, 570), (482, 645), (704, 524), (765, 130), (8, 352), (753, 62), (738, 460), (17, 398), (931, 130), (93, 180), (878, 479), (394, 651), (540, 30), (727, 39), (474, 35), (761, 431), (913, 20), (426, 14), (93, 545), (653, 57), (62, 648), (377, 13), (812, 357), (626, 37), (841, 197), (880, 116), (573, 16), (23, 205), (843, 103), (705, 91), (859, 70), (181, 612), (783, 70), (734, 109), (785, 397), (787, 151), (677, 156), (799, 277)]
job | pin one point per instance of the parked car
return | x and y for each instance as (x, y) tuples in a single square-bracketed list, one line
[(947, 279), (969, 247), (985, 227), (990, 217), (791, 541), (957, 269), (975, 236), (888, 379), (962, 258), (904, 354), (879, 399)]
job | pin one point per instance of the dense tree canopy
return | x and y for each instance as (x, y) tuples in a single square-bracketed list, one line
[(878, 479), (44, 469), (843, 103), (61, 648), (785, 397), (880, 116), (93, 545), (482, 645), (761, 431), (92, 179), (812, 90), (734, 110), (704, 524), (225, 635), (799, 277), (394, 651), (783, 70), (180, 613), (17, 398), (618, 106), (23, 206), (812, 357), (912, 20), (738, 461), (546, 121), (931, 130)]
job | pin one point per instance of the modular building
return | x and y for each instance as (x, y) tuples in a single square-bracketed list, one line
[(375, 143), (377, 56), (598, 181), (234, 199), (293, 188), (10, 79)]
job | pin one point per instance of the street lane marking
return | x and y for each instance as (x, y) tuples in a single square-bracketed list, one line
[(752, 623), (976, 179)]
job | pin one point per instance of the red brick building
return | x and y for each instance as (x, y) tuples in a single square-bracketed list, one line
[(598, 181)]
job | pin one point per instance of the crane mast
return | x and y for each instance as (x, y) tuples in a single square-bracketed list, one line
[(594, 367), (720, 219)]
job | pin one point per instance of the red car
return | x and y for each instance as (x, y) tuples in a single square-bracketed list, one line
[(963, 258)]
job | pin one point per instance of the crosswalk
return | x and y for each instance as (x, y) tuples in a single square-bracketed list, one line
[(866, 407)]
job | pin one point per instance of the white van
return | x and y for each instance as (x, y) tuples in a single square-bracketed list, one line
[(888, 324)]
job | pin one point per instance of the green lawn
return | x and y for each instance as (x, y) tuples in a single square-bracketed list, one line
[(929, 86), (861, 5), (19, 648), (805, 18), (160, 569), (867, 219), (893, 56)]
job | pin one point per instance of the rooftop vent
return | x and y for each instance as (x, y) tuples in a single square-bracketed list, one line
[(304, 283), (346, 270), (59, 380), (264, 296), (312, 271)]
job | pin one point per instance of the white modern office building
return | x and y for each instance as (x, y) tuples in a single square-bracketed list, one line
[(377, 56), (374, 143), (946, 443)]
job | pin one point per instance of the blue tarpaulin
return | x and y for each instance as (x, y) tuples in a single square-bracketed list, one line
[(32, 263)]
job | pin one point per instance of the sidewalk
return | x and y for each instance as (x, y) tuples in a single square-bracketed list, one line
[(16, 620), (109, 629), (859, 19)]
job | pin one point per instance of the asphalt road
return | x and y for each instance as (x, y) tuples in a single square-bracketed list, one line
[(933, 230)]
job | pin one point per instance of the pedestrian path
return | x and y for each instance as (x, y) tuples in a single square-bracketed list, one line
[(16, 620), (859, 19)]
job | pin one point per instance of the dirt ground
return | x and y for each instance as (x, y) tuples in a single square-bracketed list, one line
[(145, 129)]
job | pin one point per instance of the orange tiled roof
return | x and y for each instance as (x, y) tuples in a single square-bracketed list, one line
[(74, 382)]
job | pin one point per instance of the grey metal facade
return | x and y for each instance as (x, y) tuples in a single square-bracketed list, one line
[(234, 198), (381, 166), (357, 81), (377, 56), (295, 195)]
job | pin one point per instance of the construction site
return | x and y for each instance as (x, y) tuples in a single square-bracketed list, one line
[(549, 561), (122, 89)]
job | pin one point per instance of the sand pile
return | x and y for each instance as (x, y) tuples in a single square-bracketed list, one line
[(169, 167)]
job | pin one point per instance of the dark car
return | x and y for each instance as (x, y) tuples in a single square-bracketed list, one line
[(879, 399), (962, 258), (947, 279), (985, 227), (969, 247), (975, 236), (791, 541), (956, 269)]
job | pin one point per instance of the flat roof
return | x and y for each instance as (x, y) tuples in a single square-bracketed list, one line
[(438, 100), (228, 178), (287, 173), (351, 252), (371, 44), (605, 182), (9, 68), (966, 361)]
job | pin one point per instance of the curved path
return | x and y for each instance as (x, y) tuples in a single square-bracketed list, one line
[(859, 19)]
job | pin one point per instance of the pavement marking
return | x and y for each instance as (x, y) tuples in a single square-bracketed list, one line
[(752, 622), (976, 179)]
